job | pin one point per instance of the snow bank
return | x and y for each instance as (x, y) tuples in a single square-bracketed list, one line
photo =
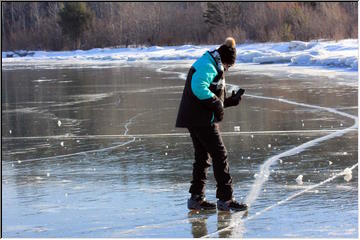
[(341, 54)]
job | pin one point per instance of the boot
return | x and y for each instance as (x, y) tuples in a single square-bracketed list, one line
[(231, 205), (198, 202)]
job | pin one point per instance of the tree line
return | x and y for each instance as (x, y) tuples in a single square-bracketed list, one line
[(85, 25)]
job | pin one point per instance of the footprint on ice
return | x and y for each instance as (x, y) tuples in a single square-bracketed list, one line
[(299, 179)]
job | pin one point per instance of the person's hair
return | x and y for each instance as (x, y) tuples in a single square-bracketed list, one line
[(227, 51)]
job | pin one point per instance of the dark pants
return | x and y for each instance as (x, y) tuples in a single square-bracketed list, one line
[(207, 141)]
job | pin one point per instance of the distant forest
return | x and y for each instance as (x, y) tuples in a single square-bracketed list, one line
[(65, 26)]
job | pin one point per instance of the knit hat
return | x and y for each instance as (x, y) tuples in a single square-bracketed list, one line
[(227, 51)]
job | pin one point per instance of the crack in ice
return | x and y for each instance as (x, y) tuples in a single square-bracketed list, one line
[(126, 126), (265, 167)]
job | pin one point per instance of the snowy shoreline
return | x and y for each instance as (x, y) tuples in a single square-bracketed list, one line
[(328, 54)]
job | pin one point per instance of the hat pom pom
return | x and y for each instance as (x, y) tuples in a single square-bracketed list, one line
[(230, 42)]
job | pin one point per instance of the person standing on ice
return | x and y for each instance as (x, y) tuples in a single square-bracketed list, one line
[(201, 109)]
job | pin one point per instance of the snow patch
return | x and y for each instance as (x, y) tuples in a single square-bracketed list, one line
[(347, 174), (299, 180)]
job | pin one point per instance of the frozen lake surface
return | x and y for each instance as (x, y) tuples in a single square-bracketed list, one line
[(93, 152)]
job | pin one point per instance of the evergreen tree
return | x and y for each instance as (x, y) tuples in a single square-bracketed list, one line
[(74, 19)]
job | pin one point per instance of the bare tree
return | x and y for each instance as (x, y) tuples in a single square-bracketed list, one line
[(33, 25)]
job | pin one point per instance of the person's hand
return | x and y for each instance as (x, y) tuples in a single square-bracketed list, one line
[(234, 99)]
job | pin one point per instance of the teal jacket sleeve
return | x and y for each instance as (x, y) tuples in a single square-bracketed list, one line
[(200, 85), (201, 82)]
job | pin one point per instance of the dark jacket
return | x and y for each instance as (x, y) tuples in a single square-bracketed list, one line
[(203, 96)]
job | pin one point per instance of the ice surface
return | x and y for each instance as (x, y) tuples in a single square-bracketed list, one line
[(106, 165), (237, 128), (341, 54), (265, 167), (59, 123)]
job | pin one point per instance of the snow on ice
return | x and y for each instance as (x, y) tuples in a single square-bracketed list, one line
[(348, 174), (299, 179)]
